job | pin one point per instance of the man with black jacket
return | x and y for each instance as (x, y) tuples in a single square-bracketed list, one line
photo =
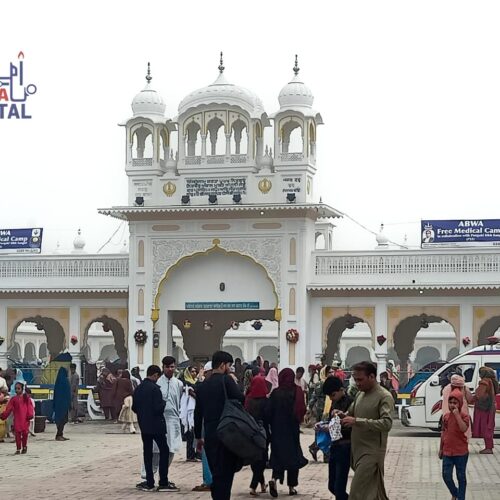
[(340, 451), (149, 405), (210, 401)]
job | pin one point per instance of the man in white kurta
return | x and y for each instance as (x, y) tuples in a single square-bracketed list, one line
[(171, 389)]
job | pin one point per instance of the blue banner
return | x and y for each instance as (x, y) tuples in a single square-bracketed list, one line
[(21, 240), (222, 305), (460, 233)]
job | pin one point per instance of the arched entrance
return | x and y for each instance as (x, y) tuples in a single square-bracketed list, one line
[(489, 328), (355, 355), (345, 329), (205, 293), (416, 327), (104, 332), (37, 330)]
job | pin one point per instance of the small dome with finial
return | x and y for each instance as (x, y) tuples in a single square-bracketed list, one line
[(382, 239), (78, 243), (295, 93), (148, 101)]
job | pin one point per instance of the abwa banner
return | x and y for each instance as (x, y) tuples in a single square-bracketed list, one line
[(21, 240), (460, 233)]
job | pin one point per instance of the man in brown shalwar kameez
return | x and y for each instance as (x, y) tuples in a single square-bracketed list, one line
[(370, 417)]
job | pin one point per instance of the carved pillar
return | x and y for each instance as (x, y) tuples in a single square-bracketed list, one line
[(228, 144), (204, 145)]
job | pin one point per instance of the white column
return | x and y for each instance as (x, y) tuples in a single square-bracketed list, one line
[(3, 334), (380, 329), (466, 325), (228, 144)]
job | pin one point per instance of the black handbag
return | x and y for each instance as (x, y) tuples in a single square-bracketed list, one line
[(239, 432)]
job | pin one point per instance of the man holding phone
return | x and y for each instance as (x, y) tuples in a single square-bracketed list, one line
[(370, 416)]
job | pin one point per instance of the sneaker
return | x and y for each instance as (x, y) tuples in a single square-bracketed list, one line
[(18, 452), (141, 484), (169, 487), (25, 450), (144, 487)]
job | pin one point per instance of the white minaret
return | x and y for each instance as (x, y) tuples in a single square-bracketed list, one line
[(148, 143), (295, 126)]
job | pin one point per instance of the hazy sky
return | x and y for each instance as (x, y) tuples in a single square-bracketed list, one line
[(409, 92)]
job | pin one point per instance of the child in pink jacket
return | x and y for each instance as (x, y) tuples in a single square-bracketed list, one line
[(22, 408)]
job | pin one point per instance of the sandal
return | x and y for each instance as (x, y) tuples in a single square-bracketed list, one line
[(292, 492), (253, 493), (273, 491)]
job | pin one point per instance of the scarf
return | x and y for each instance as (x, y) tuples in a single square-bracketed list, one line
[(188, 378), (62, 395), (273, 379), (257, 390), (286, 381)]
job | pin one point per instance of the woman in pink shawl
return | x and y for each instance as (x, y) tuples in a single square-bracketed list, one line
[(458, 382), (272, 379)]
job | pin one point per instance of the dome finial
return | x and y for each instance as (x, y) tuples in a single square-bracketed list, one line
[(296, 68), (148, 76), (221, 65)]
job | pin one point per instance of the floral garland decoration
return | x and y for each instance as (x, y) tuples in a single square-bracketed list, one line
[(381, 339), (207, 325), (292, 336), (74, 339), (235, 325), (466, 341), (257, 325), (140, 337)]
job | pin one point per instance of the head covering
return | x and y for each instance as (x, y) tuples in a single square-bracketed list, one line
[(208, 366), (188, 378), (126, 374), (487, 372), (258, 388), (289, 395), (19, 378), (457, 381), (457, 394), (62, 395), (286, 379), (272, 378)]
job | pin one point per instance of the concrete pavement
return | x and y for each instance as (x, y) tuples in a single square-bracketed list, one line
[(99, 462)]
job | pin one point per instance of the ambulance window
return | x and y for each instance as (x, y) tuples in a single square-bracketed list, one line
[(496, 367), (464, 369)]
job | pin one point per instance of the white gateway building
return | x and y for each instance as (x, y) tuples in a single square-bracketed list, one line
[(224, 237)]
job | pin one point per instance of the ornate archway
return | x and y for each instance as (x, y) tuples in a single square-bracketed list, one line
[(201, 294)]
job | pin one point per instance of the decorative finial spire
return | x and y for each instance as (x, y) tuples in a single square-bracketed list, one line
[(148, 76), (221, 65), (296, 68)]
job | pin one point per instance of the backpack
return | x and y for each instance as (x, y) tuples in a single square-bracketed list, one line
[(239, 432)]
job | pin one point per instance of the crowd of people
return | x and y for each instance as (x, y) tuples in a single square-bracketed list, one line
[(351, 414), (170, 404)]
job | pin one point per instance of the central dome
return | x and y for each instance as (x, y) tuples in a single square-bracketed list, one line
[(223, 92)]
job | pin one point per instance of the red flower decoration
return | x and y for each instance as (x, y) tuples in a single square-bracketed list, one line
[(466, 341), (74, 339), (381, 339), (292, 335)]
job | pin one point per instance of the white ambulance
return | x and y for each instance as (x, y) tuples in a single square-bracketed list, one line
[(425, 401)]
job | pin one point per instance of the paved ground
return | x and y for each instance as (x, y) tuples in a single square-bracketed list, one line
[(101, 463)]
